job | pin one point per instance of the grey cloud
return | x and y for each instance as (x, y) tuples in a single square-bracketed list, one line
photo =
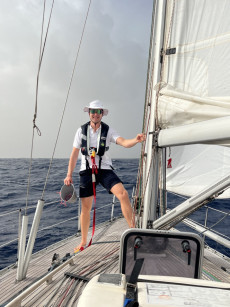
[(112, 67)]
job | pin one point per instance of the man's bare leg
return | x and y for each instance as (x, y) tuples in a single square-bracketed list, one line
[(120, 192), (86, 205)]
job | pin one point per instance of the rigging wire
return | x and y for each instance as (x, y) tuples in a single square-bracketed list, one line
[(148, 106), (68, 92), (157, 88), (161, 173), (145, 130), (146, 120), (41, 53)]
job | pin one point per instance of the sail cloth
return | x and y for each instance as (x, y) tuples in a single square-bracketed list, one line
[(193, 167), (197, 76), (178, 108), (195, 87)]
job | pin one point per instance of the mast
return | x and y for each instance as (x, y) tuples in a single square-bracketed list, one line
[(151, 183)]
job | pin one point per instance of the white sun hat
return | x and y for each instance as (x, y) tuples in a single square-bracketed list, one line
[(96, 104)]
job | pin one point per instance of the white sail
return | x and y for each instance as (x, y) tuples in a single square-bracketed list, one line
[(194, 87), (177, 107), (190, 168), (200, 33), (196, 75)]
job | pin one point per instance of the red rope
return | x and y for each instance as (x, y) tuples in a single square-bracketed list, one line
[(64, 296), (91, 266), (94, 172)]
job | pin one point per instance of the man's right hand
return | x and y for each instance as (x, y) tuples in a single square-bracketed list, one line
[(72, 163), (68, 180)]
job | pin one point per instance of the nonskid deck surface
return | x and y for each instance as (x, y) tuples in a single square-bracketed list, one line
[(98, 258), (91, 257), (215, 267)]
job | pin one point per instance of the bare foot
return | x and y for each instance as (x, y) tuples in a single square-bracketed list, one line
[(80, 247)]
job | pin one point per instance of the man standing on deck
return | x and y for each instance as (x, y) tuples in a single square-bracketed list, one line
[(93, 139)]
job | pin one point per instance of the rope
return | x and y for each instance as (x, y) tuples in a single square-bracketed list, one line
[(41, 53), (66, 292), (67, 97), (71, 292), (94, 173), (96, 267), (99, 261), (54, 294)]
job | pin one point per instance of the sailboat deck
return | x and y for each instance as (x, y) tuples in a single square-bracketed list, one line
[(63, 291), (41, 262)]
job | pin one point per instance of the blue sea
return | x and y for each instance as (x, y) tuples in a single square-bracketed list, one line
[(13, 190)]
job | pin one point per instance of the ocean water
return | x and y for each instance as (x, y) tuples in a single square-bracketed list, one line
[(14, 179)]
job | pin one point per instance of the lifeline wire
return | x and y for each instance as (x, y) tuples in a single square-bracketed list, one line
[(213, 225), (71, 80)]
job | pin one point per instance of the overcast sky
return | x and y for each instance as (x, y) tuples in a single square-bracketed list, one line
[(112, 67)]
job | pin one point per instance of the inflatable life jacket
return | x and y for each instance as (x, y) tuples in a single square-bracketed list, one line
[(101, 143)]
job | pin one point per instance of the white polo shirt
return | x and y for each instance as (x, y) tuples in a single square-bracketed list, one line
[(106, 161)]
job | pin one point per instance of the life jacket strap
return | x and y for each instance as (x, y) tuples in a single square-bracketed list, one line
[(91, 149), (87, 163), (100, 158), (101, 142), (94, 148)]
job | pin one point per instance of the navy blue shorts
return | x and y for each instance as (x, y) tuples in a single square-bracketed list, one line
[(106, 177)]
